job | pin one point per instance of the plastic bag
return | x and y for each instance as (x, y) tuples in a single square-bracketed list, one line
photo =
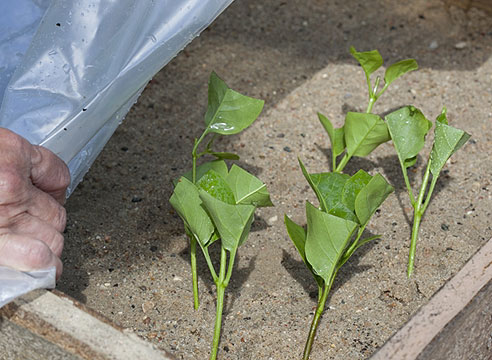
[(71, 70), (16, 283)]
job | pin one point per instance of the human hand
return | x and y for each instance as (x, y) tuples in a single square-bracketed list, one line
[(33, 182)]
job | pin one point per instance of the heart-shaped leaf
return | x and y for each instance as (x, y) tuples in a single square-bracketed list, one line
[(369, 60), (394, 71), (216, 185), (233, 222), (247, 188), (326, 239), (363, 133), (186, 201), (447, 140), (408, 128), (229, 112), (336, 136), (371, 197)]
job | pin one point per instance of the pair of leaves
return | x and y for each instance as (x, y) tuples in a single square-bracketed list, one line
[(220, 200), (353, 198), (346, 204), (408, 128), (360, 135), (321, 246), (372, 61), (228, 112)]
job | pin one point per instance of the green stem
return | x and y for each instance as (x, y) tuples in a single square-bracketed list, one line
[(196, 300), (372, 96), (418, 211), (372, 100), (429, 193), (413, 243), (230, 266), (382, 91), (220, 285), (342, 163), (209, 263), (194, 155), (407, 184), (369, 88), (333, 159), (316, 319), (352, 247)]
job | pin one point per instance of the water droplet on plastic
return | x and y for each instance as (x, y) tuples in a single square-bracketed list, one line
[(66, 68), (52, 52), (153, 38)]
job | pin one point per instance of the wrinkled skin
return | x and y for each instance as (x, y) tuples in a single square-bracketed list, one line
[(33, 182)]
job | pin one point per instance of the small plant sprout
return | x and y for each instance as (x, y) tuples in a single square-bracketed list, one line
[(363, 132), (217, 203), (334, 229), (408, 128)]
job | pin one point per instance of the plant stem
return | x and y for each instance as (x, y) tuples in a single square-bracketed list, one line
[(316, 319), (196, 300), (372, 96), (194, 155), (372, 100), (209, 263), (418, 211), (407, 184), (429, 193), (417, 216), (342, 163), (333, 159), (220, 285)]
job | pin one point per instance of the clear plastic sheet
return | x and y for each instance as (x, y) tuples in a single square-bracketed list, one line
[(16, 283), (70, 70)]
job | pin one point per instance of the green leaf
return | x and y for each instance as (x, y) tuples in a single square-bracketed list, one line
[(219, 166), (229, 112), (331, 188), (394, 71), (336, 135), (447, 140), (326, 239), (314, 186), (408, 128), (363, 133), (247, 188), (352, 188), (369, 60), (225, 155), (216, 185), (298, 236), (233, 222), (328, 188), (186, 201), (371, 197)]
